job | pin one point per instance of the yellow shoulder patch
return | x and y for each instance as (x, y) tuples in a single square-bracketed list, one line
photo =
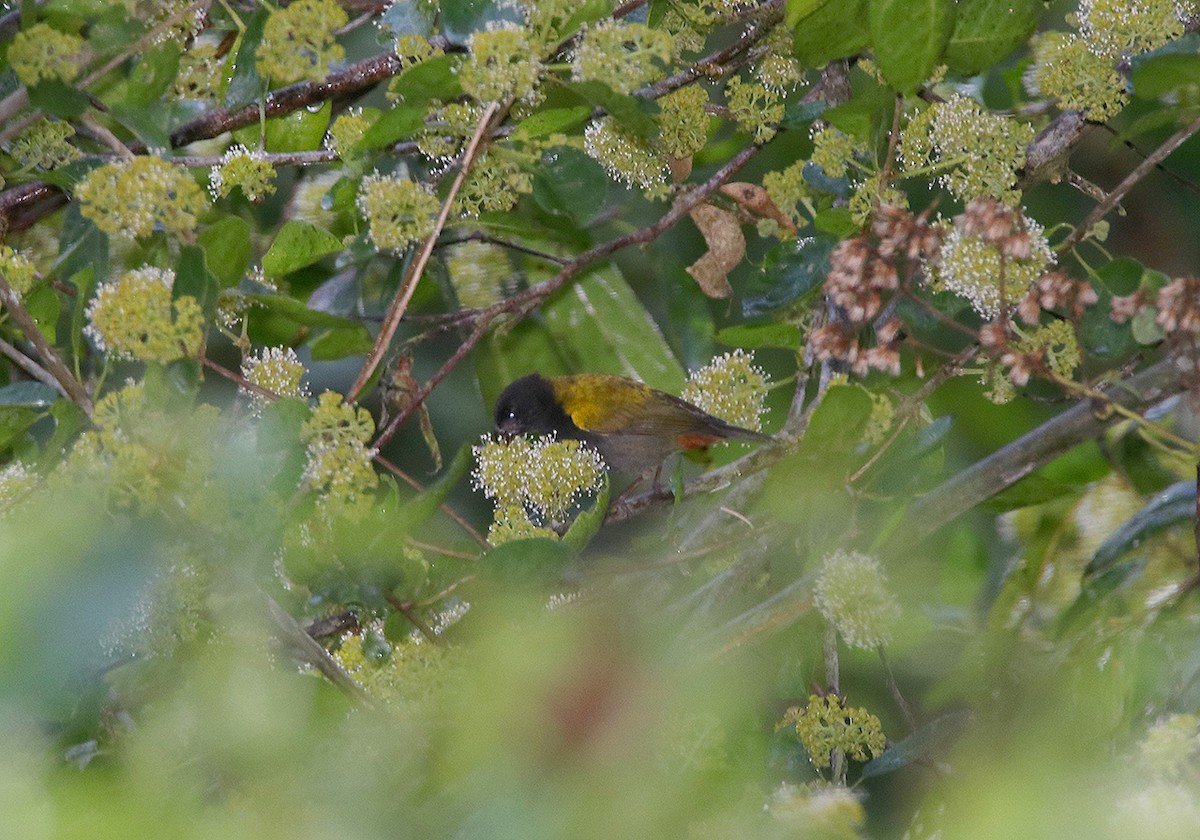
[(598, 402)]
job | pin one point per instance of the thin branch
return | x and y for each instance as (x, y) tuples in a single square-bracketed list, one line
[(48, 356), (528, 299), (31, 367), (416, 268), (1139, 172)]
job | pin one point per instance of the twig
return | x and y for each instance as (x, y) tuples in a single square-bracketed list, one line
[(31, 367), (1139, 172), (524, 301), (304, 649), (416, 268), (405, 608), (49, 357)]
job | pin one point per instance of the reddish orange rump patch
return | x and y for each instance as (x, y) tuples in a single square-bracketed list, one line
[(696, 440)]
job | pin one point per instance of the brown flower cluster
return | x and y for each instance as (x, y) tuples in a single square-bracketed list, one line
[(862, 274), (1178, 305), (1058, 292), (995, 223)]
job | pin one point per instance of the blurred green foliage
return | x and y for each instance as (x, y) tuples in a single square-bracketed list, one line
[(228, 611)]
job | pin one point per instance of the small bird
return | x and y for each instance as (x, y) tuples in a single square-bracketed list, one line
[(633, 426)]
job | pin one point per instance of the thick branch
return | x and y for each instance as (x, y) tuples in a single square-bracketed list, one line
[(1008, 465)]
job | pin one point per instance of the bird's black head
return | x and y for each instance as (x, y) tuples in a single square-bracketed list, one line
[(528, 406)]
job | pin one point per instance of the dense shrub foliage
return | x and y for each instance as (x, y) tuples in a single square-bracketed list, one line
[(266, 267)]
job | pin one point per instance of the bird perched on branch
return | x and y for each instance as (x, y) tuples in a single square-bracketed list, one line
[(634, 427)]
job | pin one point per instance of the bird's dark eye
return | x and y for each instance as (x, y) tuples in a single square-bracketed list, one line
[(512, 415)]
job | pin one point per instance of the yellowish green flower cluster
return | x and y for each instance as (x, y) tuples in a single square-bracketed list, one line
[(346, 131), (756, 109), (44, 145), (134, 317), (544, 475), (408, 672), (298, 41), (199, 76), (732, 388), (398, 210), (1081, 69), (852, 594), (976, 269), (17, 481), (791, 193), (834, 151), (828, 812), (41, 52), (131, 198), (339, 466), (477, 271), (144, 457), (1171, 749), (544, 19), (825, 725), (274, 369), (17, 269), (682, 122), (495, 183), (625, 56), (446, 137), (778, 71), (626, 157), (1119, 28), (249, 171), (978, 152), (413, 49), (502, 65), (1057, 344)]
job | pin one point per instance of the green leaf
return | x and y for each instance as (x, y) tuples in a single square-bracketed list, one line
[(930, 741), (44, 305), (836, 221), (571, 184), (802, 114), (1144, 328), (908, 38), (15, 420), (227, 249), (150, 124), (1170, 70), (69, 421), (245, 85), (153, 75), (402, 121), (84, 282), (789, 272), (1174, 506), (586, 12), (833, 30), (297, 245), (296, 311), (753, 336), (587, 524), (1101, 337), (58, 98), (426, 503), (301, 130), (30, 394), (602, 327), (461, 18), (340, 343), (550, 121), (632, 112), (799, 9), (986, 31), (868, 113), (526, 564), (433, 78), (1032, 490), (837, 425), (1121, 276), (193, 278)]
